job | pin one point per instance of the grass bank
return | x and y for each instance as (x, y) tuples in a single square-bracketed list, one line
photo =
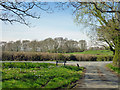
[(113, 68), (38, 75)]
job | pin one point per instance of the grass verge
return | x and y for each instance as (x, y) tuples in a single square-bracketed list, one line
[(38, 75), (113, 68)]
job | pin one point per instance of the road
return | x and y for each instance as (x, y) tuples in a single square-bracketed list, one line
[(96, 75)]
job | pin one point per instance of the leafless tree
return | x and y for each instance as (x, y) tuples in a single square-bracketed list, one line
[(20, 11)]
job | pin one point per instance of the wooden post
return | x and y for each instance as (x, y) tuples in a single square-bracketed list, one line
[(64, 63), (56, 63), (78, 65)]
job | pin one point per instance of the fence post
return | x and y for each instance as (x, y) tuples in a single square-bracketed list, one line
[(78, 65), (56, 63)]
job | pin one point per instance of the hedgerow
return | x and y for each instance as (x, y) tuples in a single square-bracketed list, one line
[(37, 56)]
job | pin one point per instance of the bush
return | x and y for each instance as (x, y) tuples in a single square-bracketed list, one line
[(73, 57), (104, 58), (61, 57)]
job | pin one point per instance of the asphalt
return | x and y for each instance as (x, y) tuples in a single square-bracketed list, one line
[(98, 76)]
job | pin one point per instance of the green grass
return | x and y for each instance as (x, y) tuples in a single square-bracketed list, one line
[(38, 75), (95, 52), (115, 69)]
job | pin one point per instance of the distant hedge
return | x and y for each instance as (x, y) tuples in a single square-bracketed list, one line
[(37, 56)]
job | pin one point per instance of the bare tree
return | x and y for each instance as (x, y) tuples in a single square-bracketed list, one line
[(17, 46), (83, 45), (19, 11), (25, 45)]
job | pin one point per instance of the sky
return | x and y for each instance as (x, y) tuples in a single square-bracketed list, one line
[(58, 24)]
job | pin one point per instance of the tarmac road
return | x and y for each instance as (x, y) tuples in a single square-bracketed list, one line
[(98, 76)]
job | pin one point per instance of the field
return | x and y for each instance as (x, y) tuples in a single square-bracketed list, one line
[(95, 52), (38, 75)]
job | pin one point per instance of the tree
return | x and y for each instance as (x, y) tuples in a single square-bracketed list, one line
[(33, 45), (60, 42), (3, 46), (16, 11), (49, 44), (25, 45), (9, 46), (17, 46), (102, 12), (83, 45), (108, 35)]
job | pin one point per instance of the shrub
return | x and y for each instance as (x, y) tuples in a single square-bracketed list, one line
[(104, 58), (73, 57), (61, 57)]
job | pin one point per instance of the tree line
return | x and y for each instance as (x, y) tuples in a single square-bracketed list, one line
[(56, 45)]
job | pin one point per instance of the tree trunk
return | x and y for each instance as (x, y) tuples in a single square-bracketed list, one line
[(116, 59), (111, 48)]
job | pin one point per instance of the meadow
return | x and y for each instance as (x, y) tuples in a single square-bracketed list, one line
[(95, 52), (39, 75)]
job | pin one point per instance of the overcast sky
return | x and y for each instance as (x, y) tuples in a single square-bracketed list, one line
[(57, 24)]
